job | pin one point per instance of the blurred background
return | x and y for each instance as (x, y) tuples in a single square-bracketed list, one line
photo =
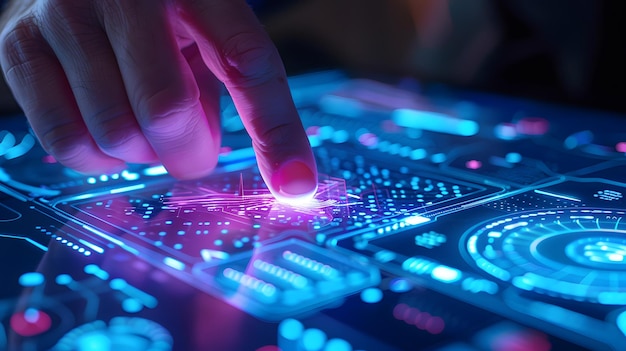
[(571, 52)]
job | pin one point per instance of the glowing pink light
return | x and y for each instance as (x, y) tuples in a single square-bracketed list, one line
[(368, 139), (473, 164), (313, 130), (435, 325), (533, 126), (621, 147), (521, 341), (421, 320), (30, 322), (49, 159)]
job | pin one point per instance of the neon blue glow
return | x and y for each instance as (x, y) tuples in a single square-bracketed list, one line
[(515, 225), (446, 274), (131, 305), (400, 285), (313, 339), (174, 263), (290, 329), (416, 219), (96, 271), (265, 291), (29, 240), (94, 247), (95, 341), (130, 176), (621, 322), (434, 121), (123, 286), (311, 265), (155, 171), (237, 155), (20, 149), (127, 188), (111, 239), (371, 295), (541, 192), (337, 345), (31, 279), (118, 284), (513, 157), (438, 158), (83, 196), (295, 280), (64, 279)]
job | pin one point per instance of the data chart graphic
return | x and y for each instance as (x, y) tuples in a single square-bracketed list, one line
[(572, 253)]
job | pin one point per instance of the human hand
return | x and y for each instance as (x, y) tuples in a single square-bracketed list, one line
[(104, 82)]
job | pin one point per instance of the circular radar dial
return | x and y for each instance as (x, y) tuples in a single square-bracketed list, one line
[(577, 254)]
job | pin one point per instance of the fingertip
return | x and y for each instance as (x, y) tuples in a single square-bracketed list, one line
[(294, 181)]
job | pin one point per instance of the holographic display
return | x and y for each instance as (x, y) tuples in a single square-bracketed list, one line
[(443, 220)]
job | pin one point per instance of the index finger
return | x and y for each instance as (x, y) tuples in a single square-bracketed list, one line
[(239, 52)]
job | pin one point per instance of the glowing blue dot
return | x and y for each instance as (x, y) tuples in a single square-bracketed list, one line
[(178, 246), (63, 279), (446, 274), (337, 345), (95, 341), (313, 339), (31, 279), (218, 242), (290, 329), (371, 295), (118, 284), (438, 158), (91, 180), (131, 305), (513, 157)]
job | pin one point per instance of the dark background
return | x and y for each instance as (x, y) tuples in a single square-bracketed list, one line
[(567, 51)]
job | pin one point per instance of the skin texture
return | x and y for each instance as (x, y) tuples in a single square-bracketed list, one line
[(105, 82)]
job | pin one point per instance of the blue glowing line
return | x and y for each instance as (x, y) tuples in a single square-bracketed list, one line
[(541, 192), (434, 121), (515, 225), (29, 240), (155, 171), (238, 155), (111, 239), (95, 248), (208, 255), (84, 196), (123, 286), (127, 188), (174, 263)]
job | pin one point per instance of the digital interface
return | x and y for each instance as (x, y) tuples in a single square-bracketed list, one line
[(444, 220)]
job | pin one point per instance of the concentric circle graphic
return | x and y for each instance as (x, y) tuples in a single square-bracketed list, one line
[(575, 253)]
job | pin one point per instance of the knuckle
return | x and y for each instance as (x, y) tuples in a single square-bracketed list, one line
[(21, 46), (248, 59), (275, 137), (62, 142), (114, 132)]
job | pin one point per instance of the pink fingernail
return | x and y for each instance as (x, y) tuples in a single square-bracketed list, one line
[(294, 180)]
